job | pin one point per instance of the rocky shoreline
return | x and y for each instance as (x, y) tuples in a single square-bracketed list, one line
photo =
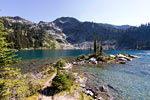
[(96, 92), (101, 93)]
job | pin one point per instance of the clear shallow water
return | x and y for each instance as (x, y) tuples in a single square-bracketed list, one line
[(49, 54), (132, 80)]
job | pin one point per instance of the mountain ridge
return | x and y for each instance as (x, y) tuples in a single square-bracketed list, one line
[(69, 33), (106, 24)]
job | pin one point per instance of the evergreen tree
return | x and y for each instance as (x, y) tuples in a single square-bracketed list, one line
[(90, 47), (95, 45), (12, 82), (101, 48), (61, 83), (6, 56)]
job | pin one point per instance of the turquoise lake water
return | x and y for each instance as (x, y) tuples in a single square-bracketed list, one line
[(132, 80), (49, 54)]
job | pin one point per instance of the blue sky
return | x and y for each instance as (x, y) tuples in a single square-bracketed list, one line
[(118, 12)]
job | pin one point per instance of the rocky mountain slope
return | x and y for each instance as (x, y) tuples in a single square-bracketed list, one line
[(70, 33), (81, 34), (26, 34)]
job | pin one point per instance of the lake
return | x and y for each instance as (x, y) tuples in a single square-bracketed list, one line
[(132, 80), (49, 54)]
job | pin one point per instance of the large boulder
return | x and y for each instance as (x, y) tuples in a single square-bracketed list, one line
[(88, 92), (122, 59), (113, 56), (93, 60), (123, 56)]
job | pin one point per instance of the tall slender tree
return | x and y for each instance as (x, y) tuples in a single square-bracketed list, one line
[(90, 47), (101, 48), (95, 45)]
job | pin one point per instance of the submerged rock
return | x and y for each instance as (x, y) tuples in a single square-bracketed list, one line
[(110, 86), (103, 88)]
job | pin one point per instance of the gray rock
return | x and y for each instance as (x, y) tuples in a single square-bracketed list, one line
[(112, 56), (74, 63), (88, 92), (94, 62), (123, 57), (92, 59)]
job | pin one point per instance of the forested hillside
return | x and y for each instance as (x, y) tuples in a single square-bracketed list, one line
[(136, 38), (26, 35), (70, 33)]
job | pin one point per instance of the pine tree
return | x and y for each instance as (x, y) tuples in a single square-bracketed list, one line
[(12, 82), (101, 48), (6, 56), (95, 45), (90, 47)]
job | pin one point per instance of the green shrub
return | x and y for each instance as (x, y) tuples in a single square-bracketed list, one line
[(91, 55), (61, 83), (71, 77), (123, 53), (33, 88), (100, 58), (60, 63), (82, 57), (32, 84)]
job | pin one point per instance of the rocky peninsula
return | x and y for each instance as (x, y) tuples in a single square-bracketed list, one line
[(104, 59)]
